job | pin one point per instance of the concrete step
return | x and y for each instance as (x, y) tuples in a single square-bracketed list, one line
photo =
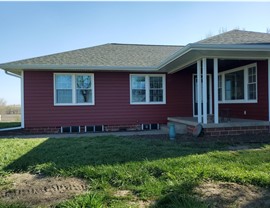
[(179, 128)]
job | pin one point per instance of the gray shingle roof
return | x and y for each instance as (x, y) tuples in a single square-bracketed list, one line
[(112, 55), (130, 56), (238, 37)]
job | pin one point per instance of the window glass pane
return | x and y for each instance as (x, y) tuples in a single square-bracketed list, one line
[(138, 82), (138, 89), (83, 89), (83, 96), (252, 92), (156, 82), (234, 85), (63, 81), (156, 95), (64, 96), (83, 81), (63, 84), (156, 89), (219, 87), (138, 96)]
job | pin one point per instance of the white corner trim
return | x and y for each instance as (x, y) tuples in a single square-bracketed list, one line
[(22, 100)]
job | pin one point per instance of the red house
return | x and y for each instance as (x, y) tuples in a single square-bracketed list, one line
[(128, 86)]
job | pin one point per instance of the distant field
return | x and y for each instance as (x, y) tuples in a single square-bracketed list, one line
[(4, 125), (10, 118)]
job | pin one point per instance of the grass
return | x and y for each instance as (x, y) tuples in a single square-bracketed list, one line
[(153, 170), (4, 125)]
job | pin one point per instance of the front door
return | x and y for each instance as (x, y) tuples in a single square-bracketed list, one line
[(195, 95)]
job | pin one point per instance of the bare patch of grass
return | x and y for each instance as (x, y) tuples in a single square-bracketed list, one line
[(225, 195), (34, 190)]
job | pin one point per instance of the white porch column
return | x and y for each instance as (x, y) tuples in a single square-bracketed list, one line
[(269, 89), (204, 87), (216, 90), (199, 87)]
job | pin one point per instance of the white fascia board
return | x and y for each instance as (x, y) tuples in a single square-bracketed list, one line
[(174, 56), (216, 47), (49, 67), (241, 47)]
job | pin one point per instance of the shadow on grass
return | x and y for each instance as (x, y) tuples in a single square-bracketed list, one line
[(5, 125), (66, 153)]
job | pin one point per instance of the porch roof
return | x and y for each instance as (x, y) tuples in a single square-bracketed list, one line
[(193, 52)]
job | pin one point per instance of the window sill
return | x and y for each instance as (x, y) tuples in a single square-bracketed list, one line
[(237, 101), (80, 104), (154, 103)]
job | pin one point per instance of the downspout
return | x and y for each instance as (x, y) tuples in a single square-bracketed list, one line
[(22, 96)]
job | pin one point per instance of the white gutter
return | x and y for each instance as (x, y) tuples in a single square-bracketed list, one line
[(13, 128), (75, 67), (12, 74)]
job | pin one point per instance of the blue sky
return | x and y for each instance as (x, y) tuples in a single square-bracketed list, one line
[(30, 29)]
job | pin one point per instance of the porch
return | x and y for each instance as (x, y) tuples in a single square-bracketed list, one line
[(234, 126)]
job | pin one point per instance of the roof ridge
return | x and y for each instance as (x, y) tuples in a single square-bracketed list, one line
[(141, 44), (217, 35), (254, 32), (231, 31)]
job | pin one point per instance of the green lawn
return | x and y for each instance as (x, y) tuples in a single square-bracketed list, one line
[(4, 125), (162, 171)]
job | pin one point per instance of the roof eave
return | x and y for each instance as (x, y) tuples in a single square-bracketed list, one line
[(51, 67), (198, 48)]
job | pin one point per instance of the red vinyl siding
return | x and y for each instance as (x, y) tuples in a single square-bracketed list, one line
[(259, 110), (112, 102)]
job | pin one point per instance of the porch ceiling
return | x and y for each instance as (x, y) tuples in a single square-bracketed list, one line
[(191, 56)]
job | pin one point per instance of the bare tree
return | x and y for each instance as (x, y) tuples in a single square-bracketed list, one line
[(3, 102), (222, 30), (209, 34)]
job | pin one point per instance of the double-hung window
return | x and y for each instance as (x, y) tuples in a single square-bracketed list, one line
[(73, 89), (238, 85), (147, 89)]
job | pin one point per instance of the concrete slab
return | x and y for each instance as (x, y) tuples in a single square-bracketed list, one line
[(234, 122), (72, 135)]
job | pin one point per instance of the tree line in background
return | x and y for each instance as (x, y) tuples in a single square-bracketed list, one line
[(8, 109)]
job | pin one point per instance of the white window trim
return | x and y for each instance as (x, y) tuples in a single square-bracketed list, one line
[(147, 89), (74, 90), (245, 100)]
